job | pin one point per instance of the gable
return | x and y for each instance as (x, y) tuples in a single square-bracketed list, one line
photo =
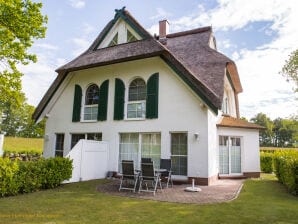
[(120, 33), (188, 53)]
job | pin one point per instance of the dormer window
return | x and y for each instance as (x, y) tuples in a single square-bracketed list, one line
[(225, 106), (136, 106), (130, 37), (114, 41), (91, 103)]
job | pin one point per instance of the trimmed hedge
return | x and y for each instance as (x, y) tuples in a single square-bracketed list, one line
[(24, 177), (286, 169), (266, 162)]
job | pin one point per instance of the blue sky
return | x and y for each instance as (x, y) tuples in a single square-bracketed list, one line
[(257, 35)]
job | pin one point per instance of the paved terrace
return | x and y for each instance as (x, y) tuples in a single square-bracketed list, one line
[(220, 191)]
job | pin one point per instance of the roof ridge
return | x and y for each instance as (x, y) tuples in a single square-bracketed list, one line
[(188, 32)]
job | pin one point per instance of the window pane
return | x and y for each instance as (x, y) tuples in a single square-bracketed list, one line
[(179, 153), (151, 148), (137, 90), (90, 112), (92, 94), (114, 41), (94, 136), (136, 110), (75, 138), (130, 37), (59, 145), (129, 147)]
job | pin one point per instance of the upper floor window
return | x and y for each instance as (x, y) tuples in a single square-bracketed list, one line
[(130, 37), (91, 102), (225, 106), (114, 41), (136, 106)]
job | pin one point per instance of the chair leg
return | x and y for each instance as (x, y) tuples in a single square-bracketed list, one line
[(121, 182), (140, 186)]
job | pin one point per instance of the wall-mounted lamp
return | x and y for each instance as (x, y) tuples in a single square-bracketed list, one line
[(196, 135)]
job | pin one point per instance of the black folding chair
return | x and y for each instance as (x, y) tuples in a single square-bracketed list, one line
[(146, 160), (129, 177), (148, 176), (167, 174)]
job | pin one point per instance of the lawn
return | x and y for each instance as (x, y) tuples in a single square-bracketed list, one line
[(13, 144), (261, 201)]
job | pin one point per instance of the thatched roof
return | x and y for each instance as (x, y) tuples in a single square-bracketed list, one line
[(188, 53)]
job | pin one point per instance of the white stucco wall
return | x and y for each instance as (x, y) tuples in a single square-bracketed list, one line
[(250, 153), (179, 111)]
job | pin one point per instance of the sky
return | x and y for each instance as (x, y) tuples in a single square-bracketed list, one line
[(258, 35)]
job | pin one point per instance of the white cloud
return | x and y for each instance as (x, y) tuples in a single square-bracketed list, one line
[(161, 14), (80, 45), (82, 42), (38, 76), (47, 46), (265, 90), (78, 4)]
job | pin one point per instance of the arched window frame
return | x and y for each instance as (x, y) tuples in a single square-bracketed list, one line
[(90, 108), (136, 109)]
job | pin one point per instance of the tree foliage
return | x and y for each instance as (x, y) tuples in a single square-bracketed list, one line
[(17, 121), (21, 22), (279, 132), (290, 69)]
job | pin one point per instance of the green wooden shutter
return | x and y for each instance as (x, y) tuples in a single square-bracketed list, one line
[(119, 100), (103, 101), (152, 97), (77, 100)]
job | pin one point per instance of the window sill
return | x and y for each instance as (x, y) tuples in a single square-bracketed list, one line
[(88, 121), (135, 119)]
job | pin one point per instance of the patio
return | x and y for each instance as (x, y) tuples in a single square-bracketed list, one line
[(221, 191)]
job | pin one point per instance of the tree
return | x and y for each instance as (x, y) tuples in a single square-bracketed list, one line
[(17, 122), (290, 69), (21, 22), (266, 136)]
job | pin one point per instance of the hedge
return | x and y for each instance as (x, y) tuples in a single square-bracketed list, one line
[(286, 169), (24, 177), (266, 162)]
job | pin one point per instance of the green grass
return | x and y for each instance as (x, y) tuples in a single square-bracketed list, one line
[(13, 144), (261, 201)]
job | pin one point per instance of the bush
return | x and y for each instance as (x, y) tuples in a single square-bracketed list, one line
[(266, 162), (8, 182), (286, 169), (24, 177)]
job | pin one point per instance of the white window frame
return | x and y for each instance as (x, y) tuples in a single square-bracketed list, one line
[(140, 141), (84, 106), (229, 152), (187, 157), (127, 102)]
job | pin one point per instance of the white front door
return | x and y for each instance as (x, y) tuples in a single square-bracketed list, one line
[(229, 155)]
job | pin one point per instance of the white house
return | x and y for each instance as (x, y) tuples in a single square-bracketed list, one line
[(167, 96)]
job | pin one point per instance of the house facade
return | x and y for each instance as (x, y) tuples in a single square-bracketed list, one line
[(167, 96)]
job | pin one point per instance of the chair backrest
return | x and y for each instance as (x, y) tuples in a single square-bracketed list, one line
[(165, 164), (146, 160), (147, 170), (127, 168)]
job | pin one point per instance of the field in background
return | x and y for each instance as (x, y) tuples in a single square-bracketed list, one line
[(276, 148), (19, 145)]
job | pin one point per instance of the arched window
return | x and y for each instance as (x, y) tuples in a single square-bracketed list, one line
[(91, 102), (136, 106)]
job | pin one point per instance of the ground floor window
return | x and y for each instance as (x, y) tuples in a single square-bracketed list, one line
[(179, 153), (134, 146), (59, 147), (75, 138), (229, 155)]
